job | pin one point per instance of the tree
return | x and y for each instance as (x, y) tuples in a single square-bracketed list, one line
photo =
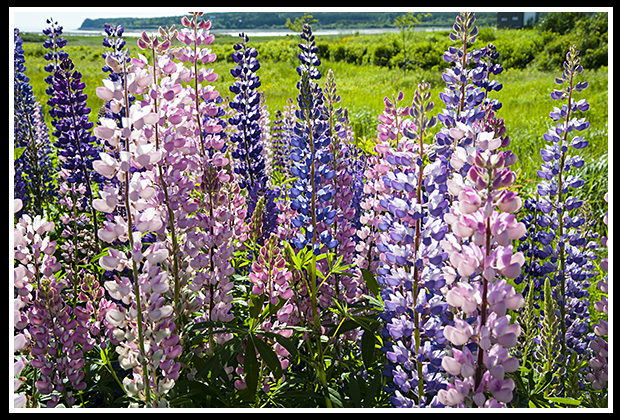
[(406, 23), (298, 24)]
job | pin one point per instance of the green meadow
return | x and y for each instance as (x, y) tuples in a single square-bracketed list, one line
[(363, 83)]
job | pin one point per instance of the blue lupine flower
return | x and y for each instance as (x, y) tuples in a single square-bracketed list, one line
[(248, 155), (559, 244), (33, 181), (77, 146), (311, 156), (250, 163)]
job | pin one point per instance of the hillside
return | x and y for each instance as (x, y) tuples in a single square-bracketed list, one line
[(277, 20)]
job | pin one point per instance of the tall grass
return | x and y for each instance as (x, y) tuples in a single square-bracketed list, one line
[(525, 96)]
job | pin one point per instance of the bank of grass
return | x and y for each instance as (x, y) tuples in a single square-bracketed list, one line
[(525, 95)]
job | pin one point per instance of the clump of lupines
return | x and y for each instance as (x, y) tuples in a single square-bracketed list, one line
[(171, 189), (58, 334)]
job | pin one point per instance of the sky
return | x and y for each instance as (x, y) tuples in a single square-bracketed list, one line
[(32, 19)]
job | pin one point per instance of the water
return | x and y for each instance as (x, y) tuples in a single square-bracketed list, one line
[(265, 32)]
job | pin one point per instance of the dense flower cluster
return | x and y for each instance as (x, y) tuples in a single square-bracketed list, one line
[(199, 252)]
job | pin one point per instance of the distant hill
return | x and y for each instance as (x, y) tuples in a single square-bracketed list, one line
[(277, 20)]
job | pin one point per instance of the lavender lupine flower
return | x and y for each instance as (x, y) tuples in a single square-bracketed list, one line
[(33, 182), (264, 122), (195, 32), (201, 202), (142, 319), (410, 274), (376, 167), (599, 363), (282, 130), (481, 255), (560, 246)]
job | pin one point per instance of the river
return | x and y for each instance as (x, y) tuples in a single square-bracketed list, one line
[(265, 32)]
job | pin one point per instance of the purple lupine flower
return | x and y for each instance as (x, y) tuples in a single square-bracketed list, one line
[(481, 255), (33, 181), (57, 335), (410, 273), (344, 158)]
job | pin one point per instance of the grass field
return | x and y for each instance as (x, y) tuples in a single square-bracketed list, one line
[(525, 96)]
